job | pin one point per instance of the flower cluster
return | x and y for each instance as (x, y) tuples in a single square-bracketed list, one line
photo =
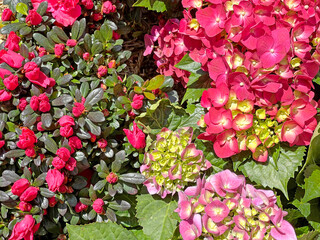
[(66, 101), (256, 115), (172, 162), (225, 207), (254, 37), (170, 49)]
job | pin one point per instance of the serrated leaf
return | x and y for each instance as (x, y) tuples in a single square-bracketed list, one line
[(100, 231), (154, 5), (268, 176), (186, 63), (157, 217), (193, 95), (313, 156), (312, 189), (313, 235)]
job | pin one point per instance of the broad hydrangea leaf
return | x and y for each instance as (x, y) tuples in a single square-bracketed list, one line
[(312, 189), (99, 231), (157, 217), (269, 176)]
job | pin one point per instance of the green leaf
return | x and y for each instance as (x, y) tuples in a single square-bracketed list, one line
[(50, 144), (157, 217), (42, 8), (95, 96), (22, 8), (12, 27), (268, 176), (96, 48), (186, 63), (154, 5), (149, 95), (164, 114), (13, 3), (106, 32), (140, 235), (44, 42), (75, 30), (94, 129), (15, 153), (99, 231), (62, 100), (60, 33), (135, 178), (96, 117), (64, 79), (82, 27), (46, 119), (313, 235), (193, 95), (312, 189), (155, 83), (313, 156)]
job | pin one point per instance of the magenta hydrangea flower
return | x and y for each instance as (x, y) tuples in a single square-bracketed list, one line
[(225, 207), (172, 162)]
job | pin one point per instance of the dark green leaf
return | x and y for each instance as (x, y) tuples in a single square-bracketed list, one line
[(46, 192), (95, 96), (119, 205), (96, 117), (42, 8), (135, 178), (12, 27), (10, 176), (94, 129), (46, 119), (50, 144), (62, 100), (60, 33), (64, 79), (43, 41), (15, 153)]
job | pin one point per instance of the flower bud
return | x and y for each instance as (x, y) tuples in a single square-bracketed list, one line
[(112, 178), (20, 186)]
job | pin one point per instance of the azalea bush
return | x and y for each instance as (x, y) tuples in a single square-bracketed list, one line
[(212, 148)]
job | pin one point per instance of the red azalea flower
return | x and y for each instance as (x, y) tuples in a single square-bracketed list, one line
[(12, 42), (54, 179), (136, 137), (24, 229), (33, 17)]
